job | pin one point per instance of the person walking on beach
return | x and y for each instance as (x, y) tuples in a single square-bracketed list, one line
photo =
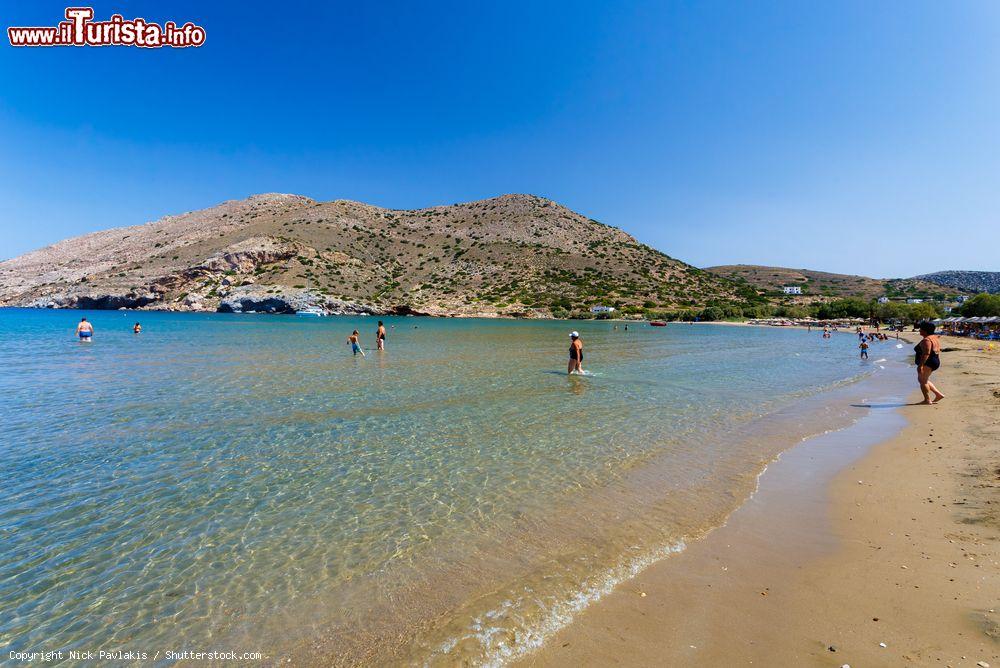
[(575, 354), (84, 330), (355, 341), (928, 361), (864, 349), (380, 336)]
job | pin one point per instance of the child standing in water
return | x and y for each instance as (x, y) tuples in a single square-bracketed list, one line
[(355, 341), (864, 349), (380, 336)]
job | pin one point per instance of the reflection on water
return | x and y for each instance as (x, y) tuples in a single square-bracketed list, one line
[(223, 477)]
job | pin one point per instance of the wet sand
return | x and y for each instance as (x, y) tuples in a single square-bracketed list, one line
[(847, 554)]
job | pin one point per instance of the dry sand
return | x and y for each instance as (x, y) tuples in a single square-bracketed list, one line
[(888, 556)]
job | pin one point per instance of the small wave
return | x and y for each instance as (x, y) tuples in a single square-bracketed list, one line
[(496, 644)]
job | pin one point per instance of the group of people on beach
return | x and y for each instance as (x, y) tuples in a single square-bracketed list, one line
[(927, 356), (864, 341)]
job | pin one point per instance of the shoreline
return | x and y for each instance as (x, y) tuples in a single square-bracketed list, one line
[(450, 636), (407, 312), (901, 525), (778, 432)]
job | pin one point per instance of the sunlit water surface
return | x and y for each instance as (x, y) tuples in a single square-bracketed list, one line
[(244, 482)]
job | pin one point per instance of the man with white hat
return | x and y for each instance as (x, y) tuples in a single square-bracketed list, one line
[(575, 354)]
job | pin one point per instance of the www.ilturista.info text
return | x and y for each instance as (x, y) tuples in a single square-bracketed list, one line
[(79, 29)]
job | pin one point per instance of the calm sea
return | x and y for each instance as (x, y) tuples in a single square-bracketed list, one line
[(242, 482)]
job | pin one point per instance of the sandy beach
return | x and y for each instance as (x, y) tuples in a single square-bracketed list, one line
[(847, 554)]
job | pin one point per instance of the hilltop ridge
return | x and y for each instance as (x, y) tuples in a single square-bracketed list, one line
[(822, 285), (975, 281)]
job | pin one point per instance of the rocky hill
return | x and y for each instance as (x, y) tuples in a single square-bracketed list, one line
[(821, 285), (510, 255), (972, 281)]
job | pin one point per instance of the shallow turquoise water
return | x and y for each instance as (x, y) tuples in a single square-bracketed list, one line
[(199, 481)]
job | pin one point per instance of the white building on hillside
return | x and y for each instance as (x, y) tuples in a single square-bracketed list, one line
[(883, 300), (792, 290), (602, 309), (914, 300)]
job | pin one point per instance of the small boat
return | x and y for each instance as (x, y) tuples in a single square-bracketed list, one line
[(311, 313), (657, 323)]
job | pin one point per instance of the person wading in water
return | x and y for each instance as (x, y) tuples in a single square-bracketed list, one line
[(575, 354), (85, 330), (355, 341)]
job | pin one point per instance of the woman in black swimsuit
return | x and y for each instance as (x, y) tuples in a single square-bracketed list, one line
[(928, 360), (575, 354)]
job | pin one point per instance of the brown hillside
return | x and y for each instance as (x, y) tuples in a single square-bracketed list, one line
[(821, 284), (509, 254)]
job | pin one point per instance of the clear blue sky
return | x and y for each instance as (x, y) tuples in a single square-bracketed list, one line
[(846, 136)]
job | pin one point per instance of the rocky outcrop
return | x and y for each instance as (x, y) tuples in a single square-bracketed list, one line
[(249, 254), (242, 258), (94, 302), (269, 299)]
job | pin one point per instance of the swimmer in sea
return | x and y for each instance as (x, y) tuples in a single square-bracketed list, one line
[(380, 336), (864, 349), (575, 354), (84, 330), (137, 328), (355, 341)]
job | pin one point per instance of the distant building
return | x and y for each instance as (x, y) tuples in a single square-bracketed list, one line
[(914, 300), (883, 300), (792, 290), (602, 309), (947, 309), (961, 299)]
